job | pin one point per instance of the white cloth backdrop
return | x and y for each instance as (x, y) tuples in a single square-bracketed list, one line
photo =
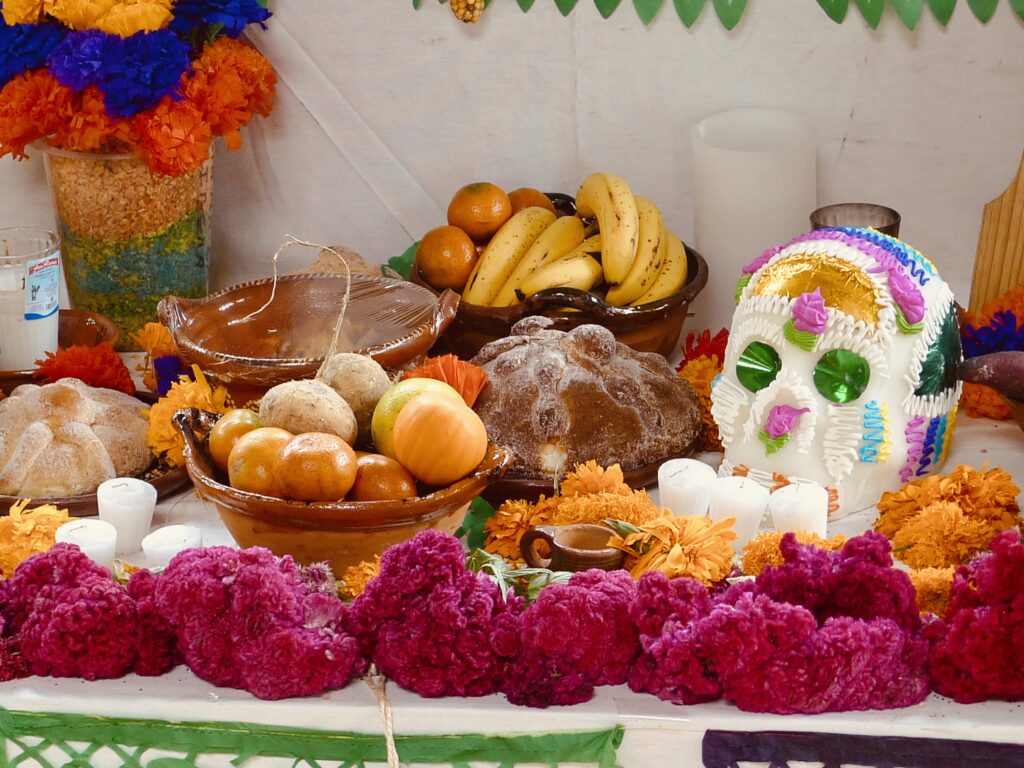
[(383, 111)]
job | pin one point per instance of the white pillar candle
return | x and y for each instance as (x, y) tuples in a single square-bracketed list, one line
[(96, 539), (741, 498), (684, 486), (754, 184), (800, 506), (164, 543), (127, 503)]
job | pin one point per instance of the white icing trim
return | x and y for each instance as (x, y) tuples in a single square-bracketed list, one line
[(786, 383), (841, 439), (727, 399), (931, 406), (769, 304)]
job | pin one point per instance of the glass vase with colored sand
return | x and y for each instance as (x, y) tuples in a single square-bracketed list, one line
[(129, 236)]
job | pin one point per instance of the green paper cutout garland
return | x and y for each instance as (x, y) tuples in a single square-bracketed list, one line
[(81, 737), (730, 12)]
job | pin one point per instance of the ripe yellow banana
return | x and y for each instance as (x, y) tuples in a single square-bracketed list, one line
[(501, 255), (561, 236), (672, 276), (590, 246), (580, 271), (650, 253), (609, 198)]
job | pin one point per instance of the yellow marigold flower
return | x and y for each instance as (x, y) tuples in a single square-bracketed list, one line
[(26, 532), (763, 550), (700, 371), (686, 546), (941, 535), (79, 14), (933, 586), (127, 18), (506, 527), (356, 577), (155, 339), (22, 11), (592, 478), (163, 438)]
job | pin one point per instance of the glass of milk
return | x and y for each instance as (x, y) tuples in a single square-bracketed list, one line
[(29, 296)]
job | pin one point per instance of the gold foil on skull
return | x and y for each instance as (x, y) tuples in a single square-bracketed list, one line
[(844, 286)]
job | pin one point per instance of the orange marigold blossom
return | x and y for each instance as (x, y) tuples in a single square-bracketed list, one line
[(932, 587), (694, 546), (99, 366), (163, 439), (26, 532)]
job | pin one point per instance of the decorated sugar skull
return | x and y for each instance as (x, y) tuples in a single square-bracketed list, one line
[(841, 367)]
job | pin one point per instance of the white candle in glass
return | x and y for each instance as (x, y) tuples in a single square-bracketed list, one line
[(96, 539), (754, 185), (127, 503), (164, 543), (801, 506), (740, 498), (684, 486)]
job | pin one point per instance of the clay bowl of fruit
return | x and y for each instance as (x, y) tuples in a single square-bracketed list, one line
[(343, 533), (554, 261), (255, 335)]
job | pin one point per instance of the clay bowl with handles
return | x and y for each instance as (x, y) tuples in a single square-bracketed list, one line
[(255, 335), (343, 533)]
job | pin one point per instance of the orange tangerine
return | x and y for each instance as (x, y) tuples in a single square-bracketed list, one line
[(528, 197), (251, 461), (479, 209), (225, 433), (445, 257), (315, 466)]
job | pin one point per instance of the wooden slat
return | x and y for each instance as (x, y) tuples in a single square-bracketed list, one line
[(999, 262)]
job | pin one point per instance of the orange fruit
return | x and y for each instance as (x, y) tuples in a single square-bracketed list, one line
[(229, 427), (252, 459), (479, 209), (315, 466), (379, 477), (528, 197), (445, 257)]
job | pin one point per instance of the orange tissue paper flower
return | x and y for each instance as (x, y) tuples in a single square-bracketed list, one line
[(31, 106), (98, 366), (174, 137)]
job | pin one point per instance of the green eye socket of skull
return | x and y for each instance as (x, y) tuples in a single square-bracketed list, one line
[(758, 365), (841, 375)]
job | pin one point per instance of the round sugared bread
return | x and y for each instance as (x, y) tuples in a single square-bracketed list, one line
[(558, 398)]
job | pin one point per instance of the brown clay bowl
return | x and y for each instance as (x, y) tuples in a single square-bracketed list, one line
[(250, 349), (653, 327), (74, 327), (343, 533)]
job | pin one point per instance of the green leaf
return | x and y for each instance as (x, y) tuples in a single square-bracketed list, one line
[(417, 3), (942, 10), (606, 7), (566, 6), (689, 10), (472, 527), (909, 10), (621, 527), (647, 9), (983, 9), (835, 9), (871, 10), (729, 11), (525, 4), (403, 264), (1018, 7)]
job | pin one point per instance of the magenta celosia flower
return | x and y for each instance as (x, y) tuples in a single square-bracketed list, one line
[(430, 624), (782, 419), (810, 313), (977, 653), (574, 637), (247, 619), (157, 642)]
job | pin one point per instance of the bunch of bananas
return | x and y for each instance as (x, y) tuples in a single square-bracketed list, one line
[(616, 245)]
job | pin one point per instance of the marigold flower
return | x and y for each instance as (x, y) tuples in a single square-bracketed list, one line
[(174, 137), (25, 532), (700, 371), (932, 586), (356, 577), (164, 440), (764, 549), (593, 478), (99, 366), (695, 546), (983, 402), (940, 536)]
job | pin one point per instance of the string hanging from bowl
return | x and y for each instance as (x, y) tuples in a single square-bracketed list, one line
[(339, 323)]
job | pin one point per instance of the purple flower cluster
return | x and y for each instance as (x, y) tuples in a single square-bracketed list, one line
[(822, 632), (133, 73), (247, 619), (26, 46), (432, 625), (977, 652), (231, 15)]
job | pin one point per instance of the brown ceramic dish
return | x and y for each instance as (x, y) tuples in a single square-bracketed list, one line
[(653, 327), (344, 533), (166, 480), (392, 321), (74, 327)]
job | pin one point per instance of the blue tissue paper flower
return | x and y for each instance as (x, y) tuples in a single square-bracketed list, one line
[(140, 70), (234, 15), (1002, 333), (25, 46), (79, 60)]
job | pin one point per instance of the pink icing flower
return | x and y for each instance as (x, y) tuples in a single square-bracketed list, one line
[(782, 419), (809, 312), (906, 295)]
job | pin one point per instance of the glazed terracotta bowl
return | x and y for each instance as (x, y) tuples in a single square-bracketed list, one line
[(74, 327), (255, 335), (653, 327), (343, 533)]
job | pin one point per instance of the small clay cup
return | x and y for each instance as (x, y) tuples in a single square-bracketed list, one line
[(572, 548)]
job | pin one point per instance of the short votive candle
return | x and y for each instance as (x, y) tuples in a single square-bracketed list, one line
[(745, 500), (127, 503), (96, 538), (801, 506), (163, 544), (684, 486)]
